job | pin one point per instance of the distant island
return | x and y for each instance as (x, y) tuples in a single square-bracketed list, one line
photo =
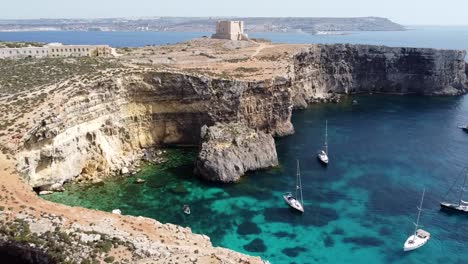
[(311, 25)]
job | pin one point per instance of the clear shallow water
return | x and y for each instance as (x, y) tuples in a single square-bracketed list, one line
[(360, 209), (417, 36)]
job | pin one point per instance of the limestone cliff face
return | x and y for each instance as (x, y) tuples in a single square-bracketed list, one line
[(104, 126), (323, 70), (230, 150)]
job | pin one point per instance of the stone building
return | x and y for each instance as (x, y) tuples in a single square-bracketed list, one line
[(54, 50), (232, 30)]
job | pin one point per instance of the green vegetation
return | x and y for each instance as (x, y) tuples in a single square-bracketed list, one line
[(109, 259)]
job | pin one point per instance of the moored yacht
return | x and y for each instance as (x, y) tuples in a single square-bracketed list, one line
[(323, 154), (420, 237), (461, 206), (292, 200)]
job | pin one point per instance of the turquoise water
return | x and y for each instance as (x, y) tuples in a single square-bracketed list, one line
[(359, 209)]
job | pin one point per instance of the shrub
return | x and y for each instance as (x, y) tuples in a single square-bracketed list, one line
[(109, 259)]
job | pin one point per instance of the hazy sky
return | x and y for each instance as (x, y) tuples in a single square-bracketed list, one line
[(408, 12)]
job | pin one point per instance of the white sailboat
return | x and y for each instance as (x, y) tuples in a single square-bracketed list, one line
[(420, 237), (323, 154), (290, 199)]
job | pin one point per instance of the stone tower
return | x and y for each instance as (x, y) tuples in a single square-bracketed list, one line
[(232, 30)]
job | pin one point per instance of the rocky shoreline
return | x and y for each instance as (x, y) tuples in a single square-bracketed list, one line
[(105, 130), (106, 124)]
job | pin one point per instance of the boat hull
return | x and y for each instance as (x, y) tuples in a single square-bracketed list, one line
[(454, 208), (414, 242), (293, 202), (323, 158)]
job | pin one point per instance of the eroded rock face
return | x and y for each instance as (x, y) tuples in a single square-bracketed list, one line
[(105, 126), (230, 150), (324, 70)]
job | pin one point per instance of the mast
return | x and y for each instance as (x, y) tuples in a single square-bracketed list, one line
[(326, 136), (462, 189), (299, 184), (419, 214)]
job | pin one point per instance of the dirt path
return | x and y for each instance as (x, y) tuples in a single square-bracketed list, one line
[(258, 50)]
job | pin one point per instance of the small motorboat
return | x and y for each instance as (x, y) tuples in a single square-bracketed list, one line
[(139, 180), (355, 102), (186, 209)]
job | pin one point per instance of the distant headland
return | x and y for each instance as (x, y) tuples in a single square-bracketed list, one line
[(311, 25)]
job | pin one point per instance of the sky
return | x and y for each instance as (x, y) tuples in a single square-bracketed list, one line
[(407, 12)]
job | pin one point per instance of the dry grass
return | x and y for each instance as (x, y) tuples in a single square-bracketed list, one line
[(21, 75)]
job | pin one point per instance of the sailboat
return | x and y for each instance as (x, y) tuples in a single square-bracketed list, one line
[(323, 154), (420, 237), (461, 206), (290, 199)]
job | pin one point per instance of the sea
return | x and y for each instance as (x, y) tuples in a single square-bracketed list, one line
[(384, 151)]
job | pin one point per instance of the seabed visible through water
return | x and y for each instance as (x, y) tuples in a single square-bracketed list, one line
[(359, 209)]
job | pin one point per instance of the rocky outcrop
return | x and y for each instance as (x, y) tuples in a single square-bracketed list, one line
[(104, 126), (324, 70), (230, 150)]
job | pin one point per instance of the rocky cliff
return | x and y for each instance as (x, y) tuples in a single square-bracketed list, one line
[(103, 126), (323, 70), (230, 150), (100, 126)]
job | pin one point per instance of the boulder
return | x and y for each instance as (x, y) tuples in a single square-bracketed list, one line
[(124, 170), (56, 187), (228, 151)]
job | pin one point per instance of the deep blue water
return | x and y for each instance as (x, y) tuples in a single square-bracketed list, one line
[(418, 36), (359, 209)]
